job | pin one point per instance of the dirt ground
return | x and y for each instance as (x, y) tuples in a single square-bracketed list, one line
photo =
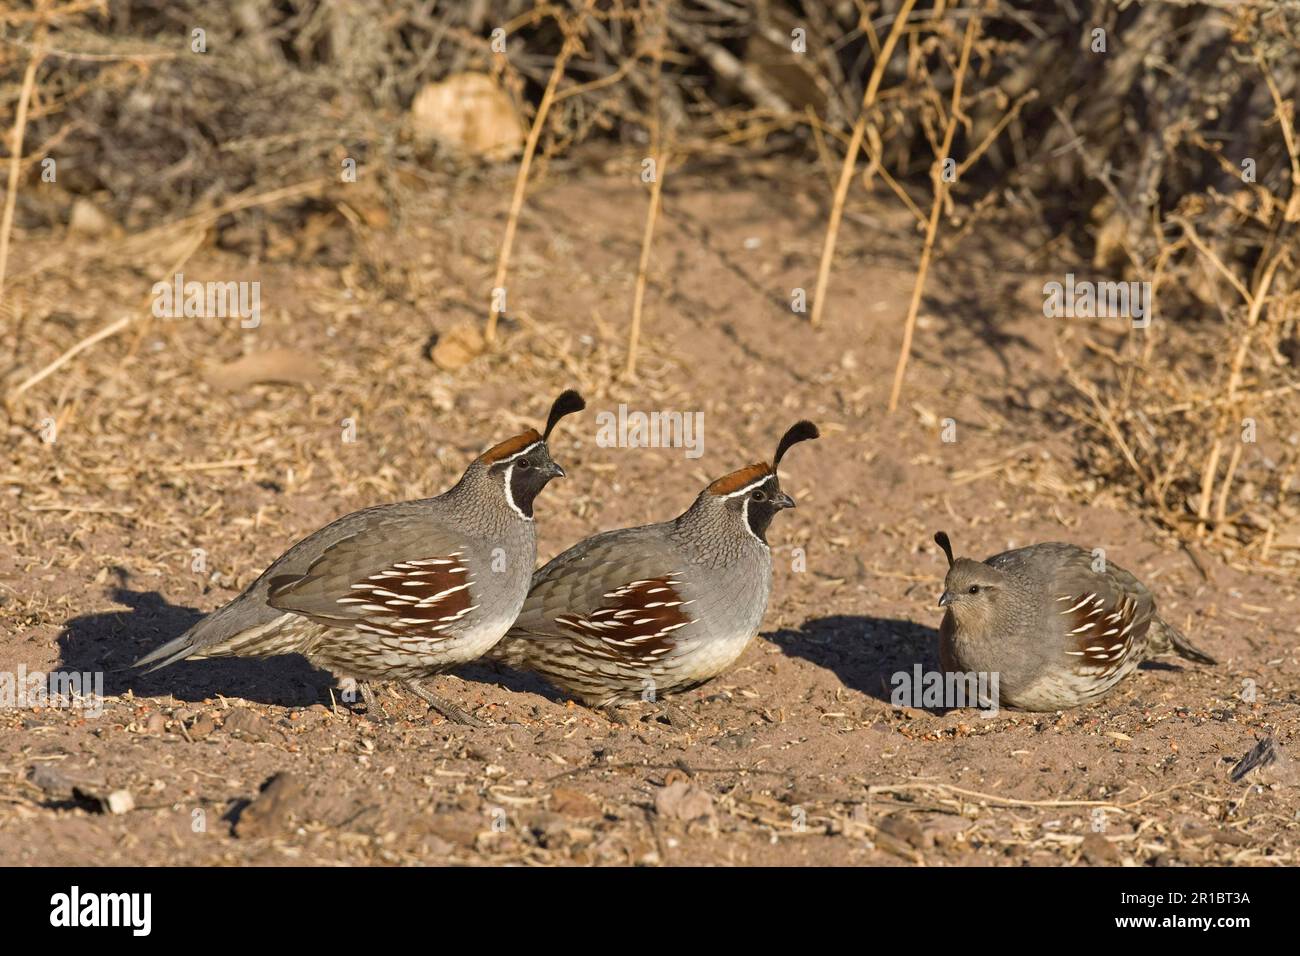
[(795, 756)]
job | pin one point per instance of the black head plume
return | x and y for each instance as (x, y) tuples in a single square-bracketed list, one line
[(799, 431), (568, 403), (942, 541)]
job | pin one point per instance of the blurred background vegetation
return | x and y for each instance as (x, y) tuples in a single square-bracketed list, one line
[(1150, 141)]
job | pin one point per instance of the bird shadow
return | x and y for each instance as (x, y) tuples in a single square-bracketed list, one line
[(1162, 666), (864, 652), (509, 678), (109, 642)]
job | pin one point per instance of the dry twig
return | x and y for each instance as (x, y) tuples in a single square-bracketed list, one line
[(936, 209), (572, 41), (851, 158)]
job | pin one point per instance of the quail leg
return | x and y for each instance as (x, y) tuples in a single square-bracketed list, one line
[(615, 714), (650, 711), (348, 690), (447, 709), (625, 713), (674, 715), (371, 701)]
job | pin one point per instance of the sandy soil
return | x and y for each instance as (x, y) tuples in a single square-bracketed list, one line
[(795, 756)]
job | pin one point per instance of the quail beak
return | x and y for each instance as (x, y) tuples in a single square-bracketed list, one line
[(781, 500), (946, 599), (554, 471)]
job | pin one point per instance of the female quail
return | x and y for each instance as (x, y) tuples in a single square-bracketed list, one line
[(399, 591), (1059, 626), (640, 612)]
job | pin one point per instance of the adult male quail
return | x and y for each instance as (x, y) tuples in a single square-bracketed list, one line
[(641, 612), (1059, 626), (399, 591)]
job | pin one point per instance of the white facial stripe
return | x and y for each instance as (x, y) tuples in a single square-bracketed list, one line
[(510, 498), (518, 454), (744, 517), (748, 488)]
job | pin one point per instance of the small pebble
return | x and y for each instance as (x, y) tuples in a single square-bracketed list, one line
[(119, 801)]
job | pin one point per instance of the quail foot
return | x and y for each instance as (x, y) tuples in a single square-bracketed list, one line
[(641, 612), (1059, 625), (400, 591)]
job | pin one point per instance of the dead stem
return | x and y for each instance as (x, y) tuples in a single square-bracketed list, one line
[(16, 145), (573, 30), (936, 209), (851, 158)]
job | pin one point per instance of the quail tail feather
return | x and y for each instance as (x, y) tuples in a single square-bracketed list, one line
[(228, 631), (173, 651), (1164, 638)]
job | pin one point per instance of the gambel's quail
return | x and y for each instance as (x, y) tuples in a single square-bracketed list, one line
[(399, 591), (1059, 625), (640, 612)]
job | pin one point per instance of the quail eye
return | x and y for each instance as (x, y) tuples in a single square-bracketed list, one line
[(760, 496), (524, 464), (973, 589)]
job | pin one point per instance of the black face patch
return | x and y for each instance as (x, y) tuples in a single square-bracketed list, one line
[(758, 504), (527, 475)]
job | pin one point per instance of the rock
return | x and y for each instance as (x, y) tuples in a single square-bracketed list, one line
[(245, 725), (1231, 837), (458, 830), (282, 799), (554, 833), (156, 724), (55, 781), (1038, 397), (568, 802), (944, 830), (1098, 851), (470, 113), (89, 792), (906, 830), (436, 846), (457, 347), (119, 801), (87, 220), (202, 726), (683, 801)]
